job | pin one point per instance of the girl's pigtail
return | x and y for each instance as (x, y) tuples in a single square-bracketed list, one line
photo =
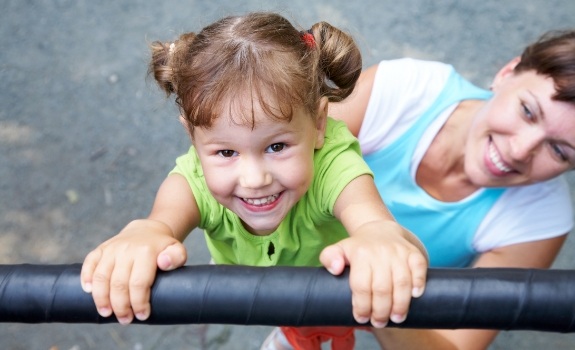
[(339, 61), (165, 59), (160, 67)]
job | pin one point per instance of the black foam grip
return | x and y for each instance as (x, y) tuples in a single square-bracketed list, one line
[(505, 299)]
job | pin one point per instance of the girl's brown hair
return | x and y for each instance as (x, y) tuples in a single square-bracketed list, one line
[(553, 55), (261, 56)]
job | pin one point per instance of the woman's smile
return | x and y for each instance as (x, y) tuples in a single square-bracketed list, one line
[(496, 165)]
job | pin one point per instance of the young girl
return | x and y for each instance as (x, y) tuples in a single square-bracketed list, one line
[(269, 177)]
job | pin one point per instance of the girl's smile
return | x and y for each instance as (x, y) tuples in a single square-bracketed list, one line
[(266, 203)]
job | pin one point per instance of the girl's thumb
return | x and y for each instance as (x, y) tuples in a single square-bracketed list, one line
[(172, 257), (333, 259)]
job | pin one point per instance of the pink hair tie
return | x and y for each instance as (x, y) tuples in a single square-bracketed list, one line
[(308, 39)]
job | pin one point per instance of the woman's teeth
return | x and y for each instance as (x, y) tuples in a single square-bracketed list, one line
[(496, 160)]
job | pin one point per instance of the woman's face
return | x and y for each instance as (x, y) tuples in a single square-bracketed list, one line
[(520, 136)]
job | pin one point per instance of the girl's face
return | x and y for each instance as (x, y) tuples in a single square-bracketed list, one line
[(260, 173), (520, 136)]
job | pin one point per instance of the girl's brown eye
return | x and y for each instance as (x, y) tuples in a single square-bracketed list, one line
[(276, 147), (226, 153)]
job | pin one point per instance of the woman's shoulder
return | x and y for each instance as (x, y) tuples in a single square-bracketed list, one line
[(413, 69), (402, 90), (411, 79), (415, 63)]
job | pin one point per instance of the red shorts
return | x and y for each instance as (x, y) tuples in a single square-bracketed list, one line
[(310, 338)]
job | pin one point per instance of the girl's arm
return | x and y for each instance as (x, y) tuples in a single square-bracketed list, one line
[(388, 264), (120, 272), (175, 205), (541, 255)]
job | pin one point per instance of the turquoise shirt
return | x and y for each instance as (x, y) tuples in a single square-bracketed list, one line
[(445, 228)]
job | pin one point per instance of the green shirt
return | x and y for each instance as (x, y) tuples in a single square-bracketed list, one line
[(309, 226)]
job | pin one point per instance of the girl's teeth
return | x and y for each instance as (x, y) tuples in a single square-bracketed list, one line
[(495, 159), (261, 201)]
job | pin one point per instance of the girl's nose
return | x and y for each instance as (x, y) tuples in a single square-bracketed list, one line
[(254, 174)]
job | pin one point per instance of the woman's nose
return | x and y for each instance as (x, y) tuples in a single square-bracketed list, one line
[(526, 142)]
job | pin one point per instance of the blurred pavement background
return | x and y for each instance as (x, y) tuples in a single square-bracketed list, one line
[(86, 138)]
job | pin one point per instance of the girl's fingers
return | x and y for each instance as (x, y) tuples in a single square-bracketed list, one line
[(402, 289), (120, 291), (140, 285), (382, 283), (360, 281), (101, 286), (381, 301), (88, 267), (408, 281), (418, 266)]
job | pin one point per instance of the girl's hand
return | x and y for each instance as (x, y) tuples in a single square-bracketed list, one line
[(388, 267), (120, 272)]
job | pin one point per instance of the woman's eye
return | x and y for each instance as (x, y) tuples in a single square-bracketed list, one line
[(276, 147), (559, 152), (527, 112), (227, 153)]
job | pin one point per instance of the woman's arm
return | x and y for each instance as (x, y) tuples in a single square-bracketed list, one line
[(352, 109), (541, 254)]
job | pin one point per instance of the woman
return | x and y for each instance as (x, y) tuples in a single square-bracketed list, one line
[(474, 173)]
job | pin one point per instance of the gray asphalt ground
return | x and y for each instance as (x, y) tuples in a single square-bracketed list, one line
[(85, 138)]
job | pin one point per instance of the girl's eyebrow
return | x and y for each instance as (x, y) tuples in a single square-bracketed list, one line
[(219, 140), (215, 142), (278, 132)]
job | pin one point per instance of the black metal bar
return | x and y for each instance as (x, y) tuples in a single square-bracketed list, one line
[(506, 299)]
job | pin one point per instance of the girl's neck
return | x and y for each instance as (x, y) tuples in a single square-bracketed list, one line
[(441, 172)]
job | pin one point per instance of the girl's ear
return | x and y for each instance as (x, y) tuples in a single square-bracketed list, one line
[(186, 127), (505, 72), (321, 122)]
